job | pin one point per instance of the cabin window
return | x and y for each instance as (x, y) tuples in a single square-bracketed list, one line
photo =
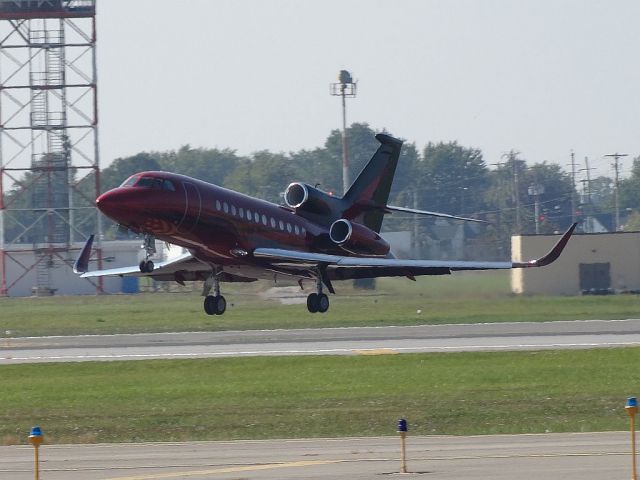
[(264, 219), (218, 206), (241, 212), (273, 222), (288, 227), (256, 217), (233, 210), (297, 230), (281, 225), (303, 231), (249, 214), (225, 207)]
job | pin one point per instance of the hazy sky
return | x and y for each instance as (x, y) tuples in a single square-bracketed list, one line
[(538, 76)]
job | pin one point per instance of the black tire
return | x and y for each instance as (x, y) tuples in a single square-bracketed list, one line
[(220, 305), (323, 303), (146, 266), (210, 305), (312, 302)]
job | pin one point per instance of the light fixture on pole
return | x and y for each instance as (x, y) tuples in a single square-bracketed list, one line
[(345, 87)]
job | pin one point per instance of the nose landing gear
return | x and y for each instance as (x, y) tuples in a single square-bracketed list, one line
[(149, 245)]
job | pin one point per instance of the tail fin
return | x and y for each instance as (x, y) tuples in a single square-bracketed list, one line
[(369, 193)]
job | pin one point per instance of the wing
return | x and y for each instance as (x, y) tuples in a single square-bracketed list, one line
[(184, 267), (181, 269), (340, 267)]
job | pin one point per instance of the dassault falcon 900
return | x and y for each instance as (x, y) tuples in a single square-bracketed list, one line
[(231, 237)]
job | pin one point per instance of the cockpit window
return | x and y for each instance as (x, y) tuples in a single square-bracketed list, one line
[(156, 183), (149, 182), (130, 181)]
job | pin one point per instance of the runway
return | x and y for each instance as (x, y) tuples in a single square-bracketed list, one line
[(573, 456), (324, 341)]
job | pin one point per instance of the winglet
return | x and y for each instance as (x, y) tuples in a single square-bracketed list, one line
[(553, 254), (81, 264)]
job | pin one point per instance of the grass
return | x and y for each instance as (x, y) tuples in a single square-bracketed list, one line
[(288, 397), (459, 298)]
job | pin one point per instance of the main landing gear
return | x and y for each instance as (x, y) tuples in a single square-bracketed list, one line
[(149, 245), (213, 304), (318, 302)]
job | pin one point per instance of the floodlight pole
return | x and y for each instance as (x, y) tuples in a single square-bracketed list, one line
[(346, 87), (346, 181)]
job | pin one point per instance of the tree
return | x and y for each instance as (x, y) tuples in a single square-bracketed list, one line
[(211, 165), (317, 167), (123, 168), (630, 188), (451, 179), (265, 175), (361, 144), (554, 203)]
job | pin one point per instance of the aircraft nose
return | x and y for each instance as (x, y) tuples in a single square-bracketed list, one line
[(105, 201), (113, 204)]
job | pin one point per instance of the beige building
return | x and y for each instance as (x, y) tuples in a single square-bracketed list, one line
[(594, 263)]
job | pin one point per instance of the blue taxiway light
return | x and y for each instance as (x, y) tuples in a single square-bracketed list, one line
[(402, 425)]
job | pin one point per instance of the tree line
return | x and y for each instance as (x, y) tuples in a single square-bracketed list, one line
[(444, 177)]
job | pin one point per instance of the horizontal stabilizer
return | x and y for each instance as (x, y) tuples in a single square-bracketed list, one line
[(431, 214)]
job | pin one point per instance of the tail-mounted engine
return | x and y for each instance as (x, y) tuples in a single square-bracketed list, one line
[(306, 198), (357, 239)]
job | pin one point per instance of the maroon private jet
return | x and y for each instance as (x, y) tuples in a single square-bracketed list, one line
[(231, 237)]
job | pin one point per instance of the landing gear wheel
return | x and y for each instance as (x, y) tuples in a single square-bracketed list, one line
[(146, 266), (221, 305), (209, 305), (215, 305), (313, 303), (323, 303)]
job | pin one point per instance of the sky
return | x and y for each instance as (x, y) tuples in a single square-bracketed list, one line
[(541, 77)]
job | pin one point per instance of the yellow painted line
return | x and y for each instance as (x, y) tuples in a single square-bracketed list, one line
[(377, 351), (248, 468)]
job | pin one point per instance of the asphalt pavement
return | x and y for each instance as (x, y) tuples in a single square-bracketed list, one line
[(574, 456), (325, 341)]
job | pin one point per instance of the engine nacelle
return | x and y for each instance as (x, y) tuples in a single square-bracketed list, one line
[(358, 239), (310, 199)]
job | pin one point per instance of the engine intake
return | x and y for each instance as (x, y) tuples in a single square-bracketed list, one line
[(357, 239), (307, 198)]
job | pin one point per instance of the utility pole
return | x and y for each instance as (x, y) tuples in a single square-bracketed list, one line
[(345, 87), (616, 166), (586, 192), (511, 157), (573, 187), (535, 191), (416, 242)]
